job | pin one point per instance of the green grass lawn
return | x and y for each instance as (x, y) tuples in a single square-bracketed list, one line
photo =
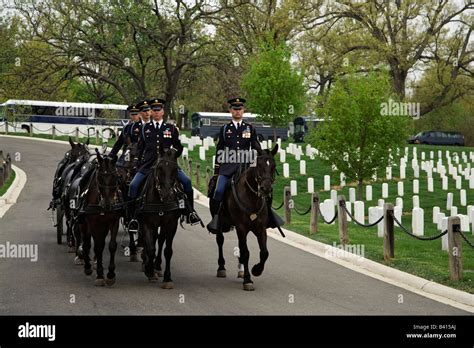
[(422, 258), (8, 183)]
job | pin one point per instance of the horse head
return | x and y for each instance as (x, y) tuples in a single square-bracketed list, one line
[(107, 181), (265, 169), (77, 150), (165, 174)]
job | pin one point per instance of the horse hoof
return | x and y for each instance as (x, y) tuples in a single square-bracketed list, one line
[(88, 271), (99, 282), (133, 258), (110, 282), (78, 261), (221, 273), (249, 287), (71, 250), (257, 271), (159, 273), (153, 278), (240, 274), (167, 285)]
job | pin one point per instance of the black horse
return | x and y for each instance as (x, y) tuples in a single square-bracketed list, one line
[(160, 206), (61, 180), (245, 207), (126, 170), (101, 212)]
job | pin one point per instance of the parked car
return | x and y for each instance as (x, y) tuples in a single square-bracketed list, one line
[(437, 138)]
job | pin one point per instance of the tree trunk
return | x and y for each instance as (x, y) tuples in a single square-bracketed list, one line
[(399, 78), (360, 187)]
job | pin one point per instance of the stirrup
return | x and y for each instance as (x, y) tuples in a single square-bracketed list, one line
[(193, 219), (133, 230)]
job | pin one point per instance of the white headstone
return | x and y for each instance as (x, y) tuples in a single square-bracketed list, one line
[(286, 170), (458, 182), (444, 239), (400, 188), (349, 208), (416, 186), (464, 223), (463, 197), (402, 172), (352, 195), (310, 185), (436, 211), (303, 167), (334, 197), (368, 193), (282, 156), (416, 201), (380, 202), (454, 210), (202, 153), (430, 185), (441, 216), (449, 201), (359, 211), (444, 180), (397, 210), (293, 187), (416, 172), (384, 190), (399, 202), (327, 183), (418, 221)]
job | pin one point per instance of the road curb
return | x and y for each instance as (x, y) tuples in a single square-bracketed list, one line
[(10, 197), (435, 291)]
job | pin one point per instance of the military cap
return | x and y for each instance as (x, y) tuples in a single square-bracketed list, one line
[(143, 105), (133, 109), (236, 103), (156, 103)]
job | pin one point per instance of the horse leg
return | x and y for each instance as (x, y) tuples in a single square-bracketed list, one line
[(161, 242), (170, 231), (86, 249), (221, 272), (133, 247), (79, 259), (99, 245), (244, 259), (261, 235), (150, 250), (112, 250)]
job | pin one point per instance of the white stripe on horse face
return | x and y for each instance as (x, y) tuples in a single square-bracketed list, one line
[(268, 163)]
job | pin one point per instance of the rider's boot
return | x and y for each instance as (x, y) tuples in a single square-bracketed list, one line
[(191, 217), (215, 225), (133, 223), (274, 220)]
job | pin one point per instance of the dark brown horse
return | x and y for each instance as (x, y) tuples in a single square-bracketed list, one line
[(102, 211), (126, 171), (160, 206), (245, 207)]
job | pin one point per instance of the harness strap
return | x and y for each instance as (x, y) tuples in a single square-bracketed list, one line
[(251, 215)]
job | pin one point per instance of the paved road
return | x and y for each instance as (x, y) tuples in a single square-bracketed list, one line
[(294, 282)]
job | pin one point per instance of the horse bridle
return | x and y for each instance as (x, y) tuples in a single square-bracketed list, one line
[(113, 187), (258, 179), (158, 183)]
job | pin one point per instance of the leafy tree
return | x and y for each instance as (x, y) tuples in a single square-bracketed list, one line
[(355, 136), (274, 88)]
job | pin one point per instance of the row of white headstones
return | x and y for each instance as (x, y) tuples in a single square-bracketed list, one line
[(454, 169)]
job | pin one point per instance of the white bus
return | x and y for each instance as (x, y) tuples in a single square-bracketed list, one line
[(65, 116)]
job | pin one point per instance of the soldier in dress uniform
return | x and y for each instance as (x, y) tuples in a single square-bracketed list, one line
[(145, 111), (237, 135), (154, 134), (130, 130)]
